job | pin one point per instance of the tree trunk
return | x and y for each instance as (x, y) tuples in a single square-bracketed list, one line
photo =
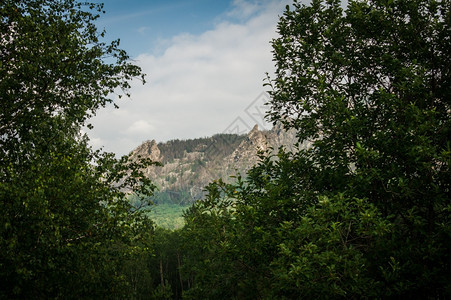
[(161, 272), (180, 273)]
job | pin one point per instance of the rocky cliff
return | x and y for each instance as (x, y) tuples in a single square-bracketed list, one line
[(189, 165)]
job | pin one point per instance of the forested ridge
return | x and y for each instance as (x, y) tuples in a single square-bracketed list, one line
[(187, 166), (224, 143), (362, 212)]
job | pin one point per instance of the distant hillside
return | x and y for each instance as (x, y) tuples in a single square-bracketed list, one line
[(189, 165)]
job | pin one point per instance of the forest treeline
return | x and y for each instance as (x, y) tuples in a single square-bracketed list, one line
[(364, 212), (224, 144)]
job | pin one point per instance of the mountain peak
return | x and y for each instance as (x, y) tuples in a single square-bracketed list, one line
[(190, 165), (254, 129), (148, 149)]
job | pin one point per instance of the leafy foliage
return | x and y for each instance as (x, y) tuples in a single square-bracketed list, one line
[(262, 238), (363, 212), (67, 229), (371, 88)]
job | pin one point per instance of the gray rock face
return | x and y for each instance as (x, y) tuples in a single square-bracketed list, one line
[(190, 165), (148, 149)]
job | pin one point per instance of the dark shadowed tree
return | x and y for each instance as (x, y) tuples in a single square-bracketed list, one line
[(364, 212), (371, 87), (66, 228)]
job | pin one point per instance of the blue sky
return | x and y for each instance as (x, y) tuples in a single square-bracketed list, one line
[(142, 25), (205, 63)]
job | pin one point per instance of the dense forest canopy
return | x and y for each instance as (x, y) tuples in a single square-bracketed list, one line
[(364, 212), (67, 230)]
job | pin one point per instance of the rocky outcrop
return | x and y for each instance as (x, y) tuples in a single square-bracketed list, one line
[(148, 149), (188, 166)]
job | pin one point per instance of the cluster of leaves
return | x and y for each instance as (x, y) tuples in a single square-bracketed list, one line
[(365, 211), (66, 228), (267, 238)]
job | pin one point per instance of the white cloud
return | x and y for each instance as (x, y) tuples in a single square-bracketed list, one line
[(96, 142), (139, 128), (244, 9), (198, 85)]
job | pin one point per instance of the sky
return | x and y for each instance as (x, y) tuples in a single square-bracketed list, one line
[(205, 61)]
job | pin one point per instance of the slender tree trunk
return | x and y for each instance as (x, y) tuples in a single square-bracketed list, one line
[(161, 272), (180, 273)]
